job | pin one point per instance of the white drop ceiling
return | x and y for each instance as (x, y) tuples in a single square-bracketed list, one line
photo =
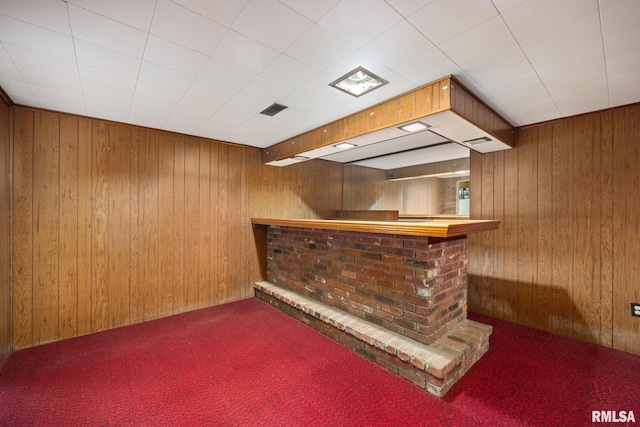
[(208, 67)]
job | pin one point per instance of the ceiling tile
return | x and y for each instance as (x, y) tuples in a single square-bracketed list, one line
[(110, 81), (225, 74), (271, 23), (504, 5), (36, 38), (176, 57), (318, 48), (568, 89), (227, 117), (28, 60), (260, 93), (481, 40), (301, 100), (408, 7), (137, 14), (149, 112), (107, 33), (160, 93), (358, 21), (163, 76), (620, 23), (288, 71), (107, 59), (211, 91), (575, 44), (186, 28), (427, 67), (397, 86), (60, 94), (313, 9), (241, 51), (398, 44), (222, 11), (533, 17), (51, 15), (106, 103), (444, 19)]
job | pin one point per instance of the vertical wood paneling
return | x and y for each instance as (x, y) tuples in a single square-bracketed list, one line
[(68, 227), (22, 286), (179, 222), (223, 213), (117, 224), (5, 235), (204, 226), (562, 228), (192, 219), (149, 278), (85, 188), (486, 258), (135, 301), (510, 225), (626, 227), (213, 224), (527, 228), (166, 221), (118, 219), (544, 236), (46, 170), (586, 255), (577, 177), (606, 229), (497, 305), (99, 227)]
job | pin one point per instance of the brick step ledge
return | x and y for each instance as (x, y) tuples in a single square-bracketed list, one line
[(434, 367)]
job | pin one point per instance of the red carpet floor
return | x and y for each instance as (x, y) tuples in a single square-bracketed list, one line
[(247, 364)]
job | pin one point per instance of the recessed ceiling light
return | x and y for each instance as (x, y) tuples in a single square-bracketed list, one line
[(345, 145), (358, 82), (414, 127), (298, 157)]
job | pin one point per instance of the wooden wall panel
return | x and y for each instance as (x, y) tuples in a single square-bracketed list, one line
[(567, 258), (626, 227), (68, 227), (5, 239), (116, 224)]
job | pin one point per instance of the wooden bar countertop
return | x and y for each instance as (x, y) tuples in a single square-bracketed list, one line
[(430, 228)]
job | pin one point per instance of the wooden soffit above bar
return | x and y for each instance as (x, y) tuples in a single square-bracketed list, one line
[(432, 228), (451, 109)]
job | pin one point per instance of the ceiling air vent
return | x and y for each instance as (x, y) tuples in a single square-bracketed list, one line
[(476, 141), (273, 109)]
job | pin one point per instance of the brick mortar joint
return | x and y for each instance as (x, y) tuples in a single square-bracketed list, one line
[(409, 350)]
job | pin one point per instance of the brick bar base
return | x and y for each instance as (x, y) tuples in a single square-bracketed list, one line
[(434, 367)]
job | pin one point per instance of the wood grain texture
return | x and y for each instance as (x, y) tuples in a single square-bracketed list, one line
[(527, 296), (117, 224), (570, 222), (68, 227), (6, 117), (626, 227), (46, 207), (22, 247)]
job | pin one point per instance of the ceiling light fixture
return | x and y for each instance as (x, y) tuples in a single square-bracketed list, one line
[(345, 145), (299, 157), (358, 82), (414, 127)]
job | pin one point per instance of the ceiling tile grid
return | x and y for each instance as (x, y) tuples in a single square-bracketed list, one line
[(208, 67)]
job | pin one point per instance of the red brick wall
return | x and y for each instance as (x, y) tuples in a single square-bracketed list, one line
[(415, 286)]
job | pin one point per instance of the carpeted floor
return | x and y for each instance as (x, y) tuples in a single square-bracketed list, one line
[(247, 364)]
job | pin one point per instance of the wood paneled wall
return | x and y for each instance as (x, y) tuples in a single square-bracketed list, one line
[(117, 224), (566, 257), (5, 241), (367, 188)]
